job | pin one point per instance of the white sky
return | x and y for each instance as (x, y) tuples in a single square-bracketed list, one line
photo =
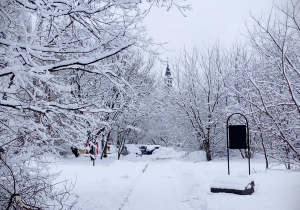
[(210, 21)]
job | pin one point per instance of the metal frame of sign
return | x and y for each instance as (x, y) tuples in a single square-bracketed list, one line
[(247, 139)]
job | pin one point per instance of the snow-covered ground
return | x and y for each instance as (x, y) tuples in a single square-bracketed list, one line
[(170, 180)]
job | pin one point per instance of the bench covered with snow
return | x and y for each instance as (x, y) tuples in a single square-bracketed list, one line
[(233, 184)]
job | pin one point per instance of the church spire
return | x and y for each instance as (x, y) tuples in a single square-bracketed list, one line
[(168, 71), (168, 77)]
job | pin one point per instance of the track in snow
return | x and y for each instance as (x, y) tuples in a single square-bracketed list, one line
[(165, 184)]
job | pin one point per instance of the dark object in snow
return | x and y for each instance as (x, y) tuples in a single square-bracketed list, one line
[(149, 152), (1, 150), (145, 151), (75, 151), (248, 190), (125, 151)]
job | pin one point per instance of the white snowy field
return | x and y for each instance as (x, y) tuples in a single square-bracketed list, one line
[(170, 180)]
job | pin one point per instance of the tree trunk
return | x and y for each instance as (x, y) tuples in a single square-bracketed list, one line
[(122, 144), (104, 147), (264, 148), (206, 144)]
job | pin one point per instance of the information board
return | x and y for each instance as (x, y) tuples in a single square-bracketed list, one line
[(237, 137)]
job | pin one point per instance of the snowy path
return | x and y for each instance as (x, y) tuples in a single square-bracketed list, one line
[(165, 184), (175, 183)]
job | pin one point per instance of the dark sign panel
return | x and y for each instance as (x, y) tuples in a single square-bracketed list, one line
[(237, 137)]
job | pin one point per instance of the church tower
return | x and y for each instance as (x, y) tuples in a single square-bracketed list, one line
[(168, 77)]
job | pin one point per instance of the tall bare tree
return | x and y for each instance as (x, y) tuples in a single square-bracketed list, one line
[(274, 92), (202, 94)]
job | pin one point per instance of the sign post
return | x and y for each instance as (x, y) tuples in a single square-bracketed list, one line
[(237, 138)]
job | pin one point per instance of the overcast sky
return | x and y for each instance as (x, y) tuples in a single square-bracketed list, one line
[(208, 22)]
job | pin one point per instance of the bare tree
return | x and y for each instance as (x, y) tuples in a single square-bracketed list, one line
[(274, 81), (202, 94)]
